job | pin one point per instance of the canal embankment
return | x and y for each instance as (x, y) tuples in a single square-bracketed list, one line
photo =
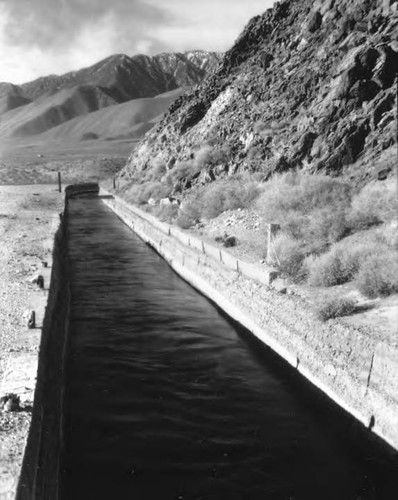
[(28, 222), (353, 367)]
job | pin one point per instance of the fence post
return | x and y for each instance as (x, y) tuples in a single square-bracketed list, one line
[(272, 230), (59, 183), (370, 373)]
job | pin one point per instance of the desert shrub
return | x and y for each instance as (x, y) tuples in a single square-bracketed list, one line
[(156, 190), (301, 194), (182, 170), (334, 307), (184, 220), (374, 204), (166, 213), (289, 256), (208, 156), (217, 197), (326, 269), (324, 227), (378, 274), (190, 211), (237, 192), (345, 259), (308, 207), (158, 168), (339, 265), (388, 234), (140, 193), (214, 200)]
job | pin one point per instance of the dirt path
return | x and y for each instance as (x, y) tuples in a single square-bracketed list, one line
[(28, 221)]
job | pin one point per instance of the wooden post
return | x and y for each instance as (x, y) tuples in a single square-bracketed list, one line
[(40, 281), (272, 230), (59, 183), (370, 373), (114, 183)]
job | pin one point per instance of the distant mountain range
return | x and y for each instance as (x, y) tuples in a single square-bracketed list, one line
[(40, 105)]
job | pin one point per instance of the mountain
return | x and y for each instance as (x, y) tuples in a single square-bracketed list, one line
[(126, 120), (37, 106), (126, 78), (51, 110), (11, 96), (308, 85)]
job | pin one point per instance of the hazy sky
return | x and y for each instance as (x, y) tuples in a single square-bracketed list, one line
[(39, 37)]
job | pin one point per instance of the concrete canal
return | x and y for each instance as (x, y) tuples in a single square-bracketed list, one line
[(167, 398)]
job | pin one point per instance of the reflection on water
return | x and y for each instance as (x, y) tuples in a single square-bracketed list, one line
[(166, 398)]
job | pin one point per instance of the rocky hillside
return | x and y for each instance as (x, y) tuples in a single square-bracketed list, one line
[(308, 84)]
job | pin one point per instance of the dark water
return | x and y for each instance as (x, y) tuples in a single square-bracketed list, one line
[(168, 399)]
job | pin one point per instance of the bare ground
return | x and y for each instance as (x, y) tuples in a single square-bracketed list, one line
[(28, 221)]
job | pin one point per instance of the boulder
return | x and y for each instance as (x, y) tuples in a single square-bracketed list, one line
[(314, 22), (367, 59), (279, 285)]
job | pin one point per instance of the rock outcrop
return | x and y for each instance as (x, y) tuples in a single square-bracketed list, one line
[(309, 85)]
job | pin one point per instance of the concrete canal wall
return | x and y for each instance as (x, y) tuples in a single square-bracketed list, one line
[(39, 479), (354, 369)]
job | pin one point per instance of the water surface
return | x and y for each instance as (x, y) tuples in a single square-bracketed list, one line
[(166, 398)]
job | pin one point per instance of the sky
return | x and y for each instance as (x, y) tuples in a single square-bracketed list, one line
[(41, 37)]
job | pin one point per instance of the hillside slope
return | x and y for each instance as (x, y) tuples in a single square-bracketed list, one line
[(309, 85), (11, 96), (129, 119), (37, 106), (49, 111)]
